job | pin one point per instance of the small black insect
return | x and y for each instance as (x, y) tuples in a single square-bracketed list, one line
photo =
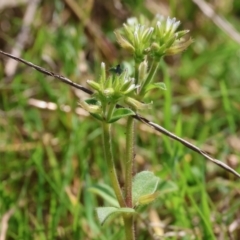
[(117, 70)]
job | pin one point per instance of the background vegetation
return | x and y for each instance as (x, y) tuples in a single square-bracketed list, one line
[(50, 149)]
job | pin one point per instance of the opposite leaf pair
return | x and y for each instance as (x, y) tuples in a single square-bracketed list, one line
[(144, 191)]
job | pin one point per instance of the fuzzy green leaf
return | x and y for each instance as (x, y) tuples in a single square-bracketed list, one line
[(120, 113), (144, 186), (108, 213)]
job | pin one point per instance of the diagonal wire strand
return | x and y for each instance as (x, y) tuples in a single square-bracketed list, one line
[(49, 73), (136, 116)]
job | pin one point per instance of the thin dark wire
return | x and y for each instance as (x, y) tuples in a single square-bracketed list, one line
[(49, 73), (138, 117)]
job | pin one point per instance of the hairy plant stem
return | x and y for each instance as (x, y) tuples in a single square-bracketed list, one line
[(129, 161), (107, 143), (130, 140), (129, 228), (150, 76)]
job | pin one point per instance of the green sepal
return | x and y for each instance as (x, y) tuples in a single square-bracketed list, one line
[(94, 85), (103, 75), (135, 104), (94, 102), (120, 113), (142, 71), (144, 188), (180, 34), (91, 105), (131, 89), (178, 47), (123, 42), (109, 213), (127, 84)]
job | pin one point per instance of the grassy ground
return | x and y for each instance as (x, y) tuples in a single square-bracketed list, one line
[(50, 155)]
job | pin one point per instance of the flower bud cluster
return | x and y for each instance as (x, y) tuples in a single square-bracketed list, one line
[(148, 42), (113, 88), (156, 39), (135, 38), (109, 91)]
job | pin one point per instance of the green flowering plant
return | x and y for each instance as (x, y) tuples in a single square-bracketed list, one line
[(150, 41), (110, 91), (147, 41)]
